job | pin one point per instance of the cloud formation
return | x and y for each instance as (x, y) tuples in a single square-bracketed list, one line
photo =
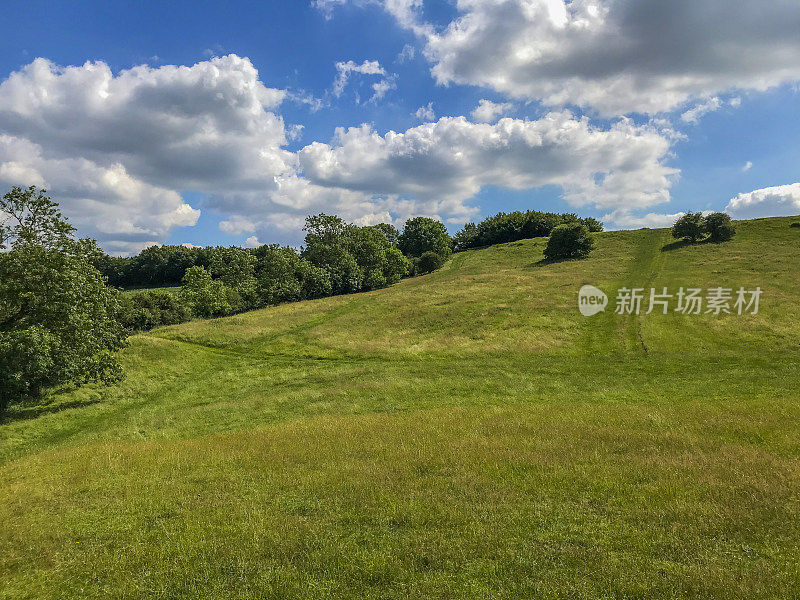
[(488, 111), (778, 201), (117, 150), (345, 69), (445, 163), (612, 56)]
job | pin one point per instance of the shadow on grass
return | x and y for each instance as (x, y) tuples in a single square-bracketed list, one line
[(544, 262), (32, 410), (678, 244)]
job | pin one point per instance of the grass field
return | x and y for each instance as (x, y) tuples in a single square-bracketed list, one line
[(467, 434)]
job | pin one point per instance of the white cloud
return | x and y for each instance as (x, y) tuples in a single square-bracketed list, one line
[(694, 114), (426, 113), (778, 201), (252, 242), (237, 225), (488, 111), (407, 53), (614, 56), (117, 150), (379, 89), (747, 166), (345, 69), (442, 164), (103, 201)]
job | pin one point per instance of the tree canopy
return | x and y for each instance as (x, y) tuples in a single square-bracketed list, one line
[(58, 319)]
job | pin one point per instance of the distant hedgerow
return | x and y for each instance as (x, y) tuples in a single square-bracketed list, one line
[(510, 227)]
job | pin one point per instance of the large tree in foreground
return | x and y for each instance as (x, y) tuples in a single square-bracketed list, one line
[(57, 316)]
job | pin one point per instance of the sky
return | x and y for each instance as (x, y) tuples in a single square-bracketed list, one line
[(228, 123)]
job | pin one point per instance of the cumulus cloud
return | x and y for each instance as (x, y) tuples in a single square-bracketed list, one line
[(442, 164), (380, 88), (117, 150), (252, 242), (488, 111), (426, 113), (614, 56), (103, 201), (778, 201), (120, 150)]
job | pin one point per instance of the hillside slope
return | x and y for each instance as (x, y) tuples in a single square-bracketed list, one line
[(462, 434)]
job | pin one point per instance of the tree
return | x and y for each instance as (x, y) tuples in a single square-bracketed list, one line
[(205, 296), (571, 240), (355, 258), (326, 246), (57, 315), (719, 227), (423, 234), (429, 262), (466, 238), (691, 227), (390, 231), (592, 224)]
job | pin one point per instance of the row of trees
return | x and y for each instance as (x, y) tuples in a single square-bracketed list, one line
[(349, 253), (510, 227), (337, 258)]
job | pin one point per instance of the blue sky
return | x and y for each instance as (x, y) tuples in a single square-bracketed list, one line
[(541, 62)]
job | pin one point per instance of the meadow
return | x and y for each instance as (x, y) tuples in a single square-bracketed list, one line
[(465, 434)]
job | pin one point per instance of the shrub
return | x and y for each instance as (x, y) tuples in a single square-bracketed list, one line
[(429, 262), (569, 241), (142, 311), (795, 224), (691, 227), (719, 227)]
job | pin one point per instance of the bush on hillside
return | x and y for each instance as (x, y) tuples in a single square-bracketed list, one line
[(719, 227), (428, 262), (795, 224), (690, 227), (569, 241), (142, 311)]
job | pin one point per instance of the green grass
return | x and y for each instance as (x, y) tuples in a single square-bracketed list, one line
[(466, 434)]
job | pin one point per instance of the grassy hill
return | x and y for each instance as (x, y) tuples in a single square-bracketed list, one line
[(466, 434)]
